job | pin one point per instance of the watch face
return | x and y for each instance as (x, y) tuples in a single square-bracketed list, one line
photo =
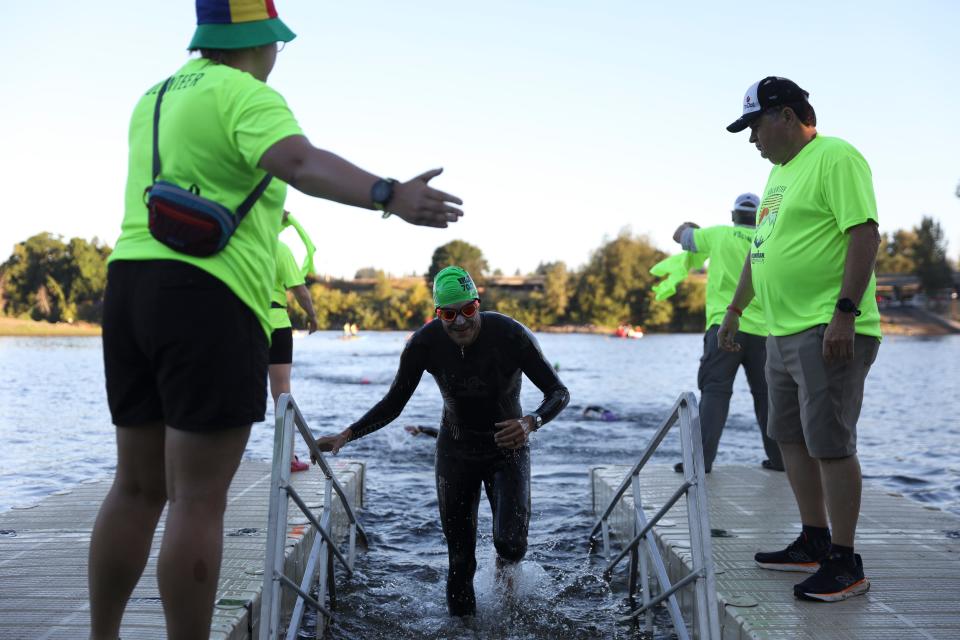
[(382, 191)]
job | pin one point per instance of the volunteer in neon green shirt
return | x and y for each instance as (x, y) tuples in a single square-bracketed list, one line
[(288, 277), (811, 266), (185, 339), (726, 247)]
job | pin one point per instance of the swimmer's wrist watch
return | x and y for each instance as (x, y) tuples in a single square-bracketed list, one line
[(381, 193), (537, 420)]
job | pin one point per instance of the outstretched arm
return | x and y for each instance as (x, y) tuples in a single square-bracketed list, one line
[(326, 175), (412, 365)]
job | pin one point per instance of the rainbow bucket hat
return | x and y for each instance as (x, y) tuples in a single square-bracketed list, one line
[(238, 24)]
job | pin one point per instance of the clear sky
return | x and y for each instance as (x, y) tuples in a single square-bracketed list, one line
[(559, 123)]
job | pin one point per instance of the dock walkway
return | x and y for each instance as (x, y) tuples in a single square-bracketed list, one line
[(43, 558), (911, 555)]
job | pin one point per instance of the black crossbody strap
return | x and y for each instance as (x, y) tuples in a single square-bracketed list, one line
[(250, 200), (156, 129), (247, 204)]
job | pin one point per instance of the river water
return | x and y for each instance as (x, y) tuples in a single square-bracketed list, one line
[(55, 432)]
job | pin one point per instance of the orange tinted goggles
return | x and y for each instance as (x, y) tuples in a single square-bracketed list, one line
[(467, 311)]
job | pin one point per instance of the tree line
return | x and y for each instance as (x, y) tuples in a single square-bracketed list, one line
[(51, 279)]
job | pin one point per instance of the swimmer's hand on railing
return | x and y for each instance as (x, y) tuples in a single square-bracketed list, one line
[(333, 444)]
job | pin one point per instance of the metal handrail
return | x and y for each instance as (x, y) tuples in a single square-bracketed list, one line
[(693, 487), (325, 548)]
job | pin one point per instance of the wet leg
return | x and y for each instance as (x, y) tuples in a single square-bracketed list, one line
[(458, 495)]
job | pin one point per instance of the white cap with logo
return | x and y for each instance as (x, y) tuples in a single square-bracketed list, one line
[(746, 202)]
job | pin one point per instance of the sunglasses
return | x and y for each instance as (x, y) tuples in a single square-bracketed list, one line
[(467, 311)]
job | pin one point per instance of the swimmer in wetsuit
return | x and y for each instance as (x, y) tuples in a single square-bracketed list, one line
[(477, 360)]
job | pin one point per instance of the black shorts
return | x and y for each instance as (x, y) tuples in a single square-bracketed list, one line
[(179, 347), (281, 346)]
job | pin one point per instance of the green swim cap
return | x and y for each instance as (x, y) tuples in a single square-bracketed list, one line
[(453, 285)]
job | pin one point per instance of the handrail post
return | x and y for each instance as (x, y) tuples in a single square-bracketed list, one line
[(702, 577), (325, 549)]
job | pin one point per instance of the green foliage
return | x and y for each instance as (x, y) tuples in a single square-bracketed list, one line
[(462, 254), (930, 256), (614, 287), (47, 279), (367, 272), (558, 286), (896, 253)]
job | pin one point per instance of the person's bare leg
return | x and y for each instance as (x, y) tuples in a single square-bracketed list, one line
[(279, 380), (123, 532), (199, 469), (804, 475), (280, 383), (842, 485)]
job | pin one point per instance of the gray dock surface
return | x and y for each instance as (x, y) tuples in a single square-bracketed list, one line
[(43, 558), (911, 556)]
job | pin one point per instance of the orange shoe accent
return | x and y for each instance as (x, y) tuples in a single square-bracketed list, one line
[(296, 465)]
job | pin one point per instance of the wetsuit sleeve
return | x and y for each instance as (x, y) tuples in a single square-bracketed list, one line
[(412, 364), (541, 373)]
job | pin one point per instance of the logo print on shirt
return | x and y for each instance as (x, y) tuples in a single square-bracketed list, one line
[(767, 218)]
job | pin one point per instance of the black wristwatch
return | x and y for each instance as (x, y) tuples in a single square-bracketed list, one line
[(846, 305), (537, 420), (381, 193)]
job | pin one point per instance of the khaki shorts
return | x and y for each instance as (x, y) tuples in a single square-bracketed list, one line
[(812, 402)]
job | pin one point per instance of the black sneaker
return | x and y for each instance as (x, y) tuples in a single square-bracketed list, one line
[(803, 554), (836, 580), (766, 464), (679, 468)]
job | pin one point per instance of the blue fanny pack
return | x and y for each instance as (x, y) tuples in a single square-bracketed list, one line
[(184, 220)]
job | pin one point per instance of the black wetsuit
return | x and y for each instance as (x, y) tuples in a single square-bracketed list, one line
[(480, 385)]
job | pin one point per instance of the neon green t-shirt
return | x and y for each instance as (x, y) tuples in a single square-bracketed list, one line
[(288, 275), (800, 245), (727, 248), (215, 124)]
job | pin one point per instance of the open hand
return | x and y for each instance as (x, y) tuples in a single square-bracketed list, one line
[(513, 433), (334, 443), (416, 202)]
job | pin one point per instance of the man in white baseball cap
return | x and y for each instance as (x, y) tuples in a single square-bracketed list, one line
[(727, 246), (811, 267)]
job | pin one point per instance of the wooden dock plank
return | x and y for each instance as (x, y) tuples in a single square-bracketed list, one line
[(911, 556), (43, 557)]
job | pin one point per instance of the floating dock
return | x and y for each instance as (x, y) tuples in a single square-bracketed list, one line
[(911, 556), (43, 558)]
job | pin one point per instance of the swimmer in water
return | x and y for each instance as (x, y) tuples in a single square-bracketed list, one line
[(593, 411), (478, 360)]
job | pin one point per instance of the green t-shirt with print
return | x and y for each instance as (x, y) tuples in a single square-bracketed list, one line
[(215, 124), (727, 248), (800, 245), (287, 276)]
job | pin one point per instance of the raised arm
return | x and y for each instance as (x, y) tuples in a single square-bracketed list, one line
[(322, 174)]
